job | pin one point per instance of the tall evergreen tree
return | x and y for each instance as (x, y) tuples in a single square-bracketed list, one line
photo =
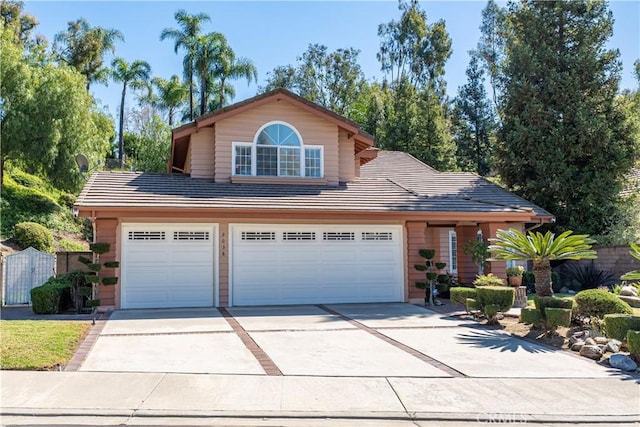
[(473, 122), (563, 143), (491, 44)]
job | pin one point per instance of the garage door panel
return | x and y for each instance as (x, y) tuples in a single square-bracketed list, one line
[(167, 265), (344, 263)]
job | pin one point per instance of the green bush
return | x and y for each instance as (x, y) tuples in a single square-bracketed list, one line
[(501, 296), (460, 294), (111, 264), (488, 280), (52, 297), (33, 234), (99, 248), (542, 303), (617, 325), (557, 317), (108, 281), (530, 315), (633, 342), (471, 304), (597, 303), (492, 299)]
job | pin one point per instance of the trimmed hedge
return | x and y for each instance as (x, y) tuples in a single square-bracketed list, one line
[(460, 294), (530, 315), (617, 325), (598, 303), (633, 342), (471, 304), (501, 296), (557, 317), (52, 297), (33, 234), (542, 303)]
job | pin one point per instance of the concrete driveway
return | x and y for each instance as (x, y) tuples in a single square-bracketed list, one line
[(345, 340)]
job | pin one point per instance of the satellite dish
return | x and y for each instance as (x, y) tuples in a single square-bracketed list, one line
[(83, 163)]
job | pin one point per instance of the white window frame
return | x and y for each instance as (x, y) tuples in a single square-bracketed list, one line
[(254, 163), (453, 249)]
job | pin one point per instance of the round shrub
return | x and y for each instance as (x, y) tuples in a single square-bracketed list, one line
[(597, 302), (617, 325), (542, 303), (530, 315), (633, 342), (33, 234), (52, 297), (460, 294)]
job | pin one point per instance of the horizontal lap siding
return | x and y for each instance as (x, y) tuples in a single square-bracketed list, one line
[(202, 153), (467, 270), (415, 242), (498, 268), (243, 128), (106, 232), (346, 150)]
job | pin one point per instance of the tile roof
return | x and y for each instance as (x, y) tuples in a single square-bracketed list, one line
[(394, 182), (632, 184), (415, 176)]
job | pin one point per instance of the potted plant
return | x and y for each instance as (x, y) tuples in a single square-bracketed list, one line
[(514, 275)]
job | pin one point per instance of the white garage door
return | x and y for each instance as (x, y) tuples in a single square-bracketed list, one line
[(310, 264), (167, 265)]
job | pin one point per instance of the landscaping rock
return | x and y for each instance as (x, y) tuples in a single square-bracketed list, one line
[(576, 346), (623, 362), (591, 351), (578, 334), (629, 291), (632, 301), (601, 340), (590, 341), (612, 346), (574, 339)]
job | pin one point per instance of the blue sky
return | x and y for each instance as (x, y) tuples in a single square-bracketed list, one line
[(275, 33)]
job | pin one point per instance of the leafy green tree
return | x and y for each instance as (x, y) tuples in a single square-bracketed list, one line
[(413, 54), (563, 144), (149, 149), (84, 47), (541, 249), (172, 94), (474, 122), (13, 17), (47, 116), (331, 79), (186, 37), (491, 47), (134, 75)]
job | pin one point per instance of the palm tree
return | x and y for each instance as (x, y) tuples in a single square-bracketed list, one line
[(84, 47), (136, 76), (172, 94), (635, 252), (541, 249), (186, 38), (207, 53), (230, 67)]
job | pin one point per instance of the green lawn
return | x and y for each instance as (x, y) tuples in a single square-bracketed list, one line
[(39, 344)]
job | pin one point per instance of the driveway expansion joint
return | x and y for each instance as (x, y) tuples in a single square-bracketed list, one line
[(410, 350), (267, 364)]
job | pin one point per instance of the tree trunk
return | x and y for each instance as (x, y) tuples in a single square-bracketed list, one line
[(171, 112), (221, 99), (191, 94), (121, 128), (542, 274), (203, 94)]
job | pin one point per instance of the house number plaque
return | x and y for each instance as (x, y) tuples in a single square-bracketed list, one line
[(223, 244)]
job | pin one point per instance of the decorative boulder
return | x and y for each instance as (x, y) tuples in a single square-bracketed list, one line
[(623, 362), (629, 291), (577, 346), (613, 346), (591, 351), (632, 301)]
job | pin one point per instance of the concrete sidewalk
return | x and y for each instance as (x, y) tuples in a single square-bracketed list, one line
[(138, 398)]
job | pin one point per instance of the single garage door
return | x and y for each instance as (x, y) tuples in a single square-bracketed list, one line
[(167, 265), (310, 264)]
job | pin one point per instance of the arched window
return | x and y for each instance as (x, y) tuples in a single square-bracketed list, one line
[(277, 150)]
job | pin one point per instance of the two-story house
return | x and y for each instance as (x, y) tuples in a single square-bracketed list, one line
[(276, 200)]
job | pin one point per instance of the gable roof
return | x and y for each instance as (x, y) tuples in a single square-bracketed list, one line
[(278, 94), (423, 180), (371, 193)]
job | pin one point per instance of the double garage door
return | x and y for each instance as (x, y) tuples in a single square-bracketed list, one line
[(172, 265)]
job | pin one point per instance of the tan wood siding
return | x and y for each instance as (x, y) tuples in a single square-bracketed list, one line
[(187, 162), (346, 153), (243, 127), (415, 242), (106, 232), (498, 268), (202, 153)]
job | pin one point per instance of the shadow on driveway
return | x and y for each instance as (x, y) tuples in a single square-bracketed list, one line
[(496, 340)]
